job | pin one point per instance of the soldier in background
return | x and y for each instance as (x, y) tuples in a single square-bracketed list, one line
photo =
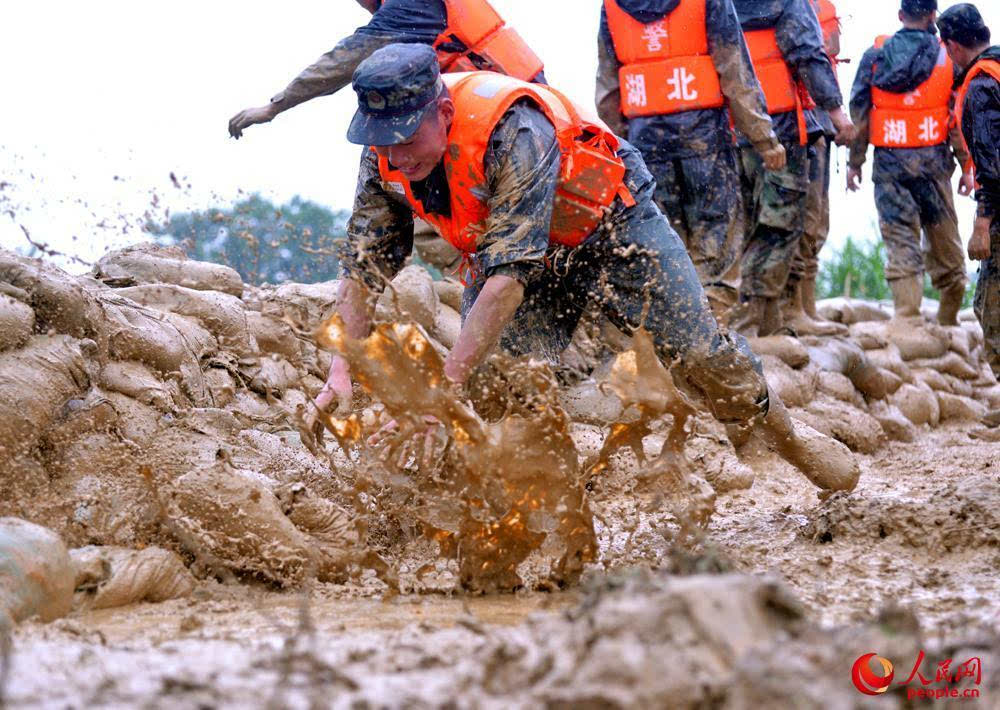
[(901, 101), (672, 76)]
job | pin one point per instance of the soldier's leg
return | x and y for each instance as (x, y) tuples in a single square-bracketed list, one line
[(987, 302), (899, 222), (944, 255), (773, 237), (799, 308), (714, 218), (671, 194), (641, 275)]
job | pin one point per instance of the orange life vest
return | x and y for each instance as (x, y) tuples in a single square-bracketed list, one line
[(666, 67), (487, 42), (916, 119), (829, 21), (782, 91), (983, 66), (591, 174)]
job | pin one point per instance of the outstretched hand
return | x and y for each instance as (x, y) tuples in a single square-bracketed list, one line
[(248, 117)]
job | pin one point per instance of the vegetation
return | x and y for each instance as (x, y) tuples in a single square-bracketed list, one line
[(858, 270), (263, 242)]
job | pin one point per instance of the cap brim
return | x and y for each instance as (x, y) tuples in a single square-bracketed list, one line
[(381, 131)]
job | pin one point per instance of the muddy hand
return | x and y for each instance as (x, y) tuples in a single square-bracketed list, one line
[(979, 244), (967, 185), (846, 131), (429, 442), (854, 179), (774, 157), (248, 117)]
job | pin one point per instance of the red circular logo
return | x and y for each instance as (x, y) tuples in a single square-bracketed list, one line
[(867, 680)]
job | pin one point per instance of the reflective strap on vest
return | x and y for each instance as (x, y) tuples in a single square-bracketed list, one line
[(666, 67), (915, 119), (484, 42)]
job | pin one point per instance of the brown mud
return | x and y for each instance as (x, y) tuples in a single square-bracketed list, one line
[(225, 556)]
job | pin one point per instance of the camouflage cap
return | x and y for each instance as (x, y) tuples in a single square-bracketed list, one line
[(396, 87), (919, 8), (963, 24)]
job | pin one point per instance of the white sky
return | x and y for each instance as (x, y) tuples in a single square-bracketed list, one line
[(104, 99)]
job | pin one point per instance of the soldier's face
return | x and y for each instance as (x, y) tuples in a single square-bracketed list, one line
[(417, 157)]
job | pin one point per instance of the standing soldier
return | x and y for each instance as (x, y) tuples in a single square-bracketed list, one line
[(467, 35), (799, 310), (554, 213), (786, 47), (673, 75), (978, 106), (901, 101)]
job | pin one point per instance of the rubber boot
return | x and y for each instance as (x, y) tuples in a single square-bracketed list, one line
[(907, 295), (808, 292), (827, 463), (951, 304), (798, 319)]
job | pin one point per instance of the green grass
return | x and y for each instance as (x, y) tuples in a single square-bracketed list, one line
[(858, 270)]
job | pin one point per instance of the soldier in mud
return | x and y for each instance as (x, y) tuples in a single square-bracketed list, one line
[(467, 35), (799, 307), (977, 106), (672, 75), (786, 47), (553, 213), (901, 101)]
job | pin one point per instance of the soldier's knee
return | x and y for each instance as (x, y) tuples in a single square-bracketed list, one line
[(730, 377)]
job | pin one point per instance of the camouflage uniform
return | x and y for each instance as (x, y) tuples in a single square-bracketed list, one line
[(913, 190), (407, 21), (805, 264), (981, 126), (775, 201), (691, 153), (634, 266)]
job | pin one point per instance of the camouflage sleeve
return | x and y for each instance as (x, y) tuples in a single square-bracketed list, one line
[(333, 71), (380, 231), (861, 107), (801, 42), (522, 172), (728, 47), (981, 124), (609, 98)]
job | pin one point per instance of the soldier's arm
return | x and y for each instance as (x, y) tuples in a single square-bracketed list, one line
[(728, 48), (801, 42), (861, 108), (379, 232), (609, 98), (982, 112)]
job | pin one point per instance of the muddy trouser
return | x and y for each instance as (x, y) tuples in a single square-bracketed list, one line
[(775, 205), (987, 301), (639, 274), (700, 195), (433, 250), (909, 206), (805, 264)]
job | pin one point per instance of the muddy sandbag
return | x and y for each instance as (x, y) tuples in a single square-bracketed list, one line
[(118, 576), (918, 404), (274, 336), (892, 381), (932, 378), (153, 264), (137, 422), (233, 521), (450, 292), (794, 388), (135, 380), (410, 296), (989, 395), (35, 382), (963, 388), (59, 301), (854, 428), (222, 385), (843, 356), (221, 314), (839, 387), (850, 311), (951, 364), (956, 407), (918, 340), (36, 573), (333, 529), (80, 416), (17, 322), (588, 403), (890, 359), (784, 347), (869, 335), (272, 375), (961, 341), (306, 305), (895, 425), (447, 326)]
